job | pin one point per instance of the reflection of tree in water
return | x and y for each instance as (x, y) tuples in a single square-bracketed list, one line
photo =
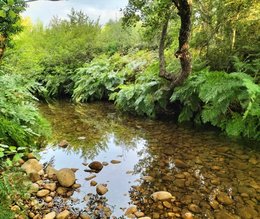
[(90, 128)]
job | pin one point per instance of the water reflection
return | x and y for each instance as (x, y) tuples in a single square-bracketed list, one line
[(210, 177)]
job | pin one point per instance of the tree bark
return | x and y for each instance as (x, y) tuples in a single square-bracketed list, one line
[(2, 46), (184, 12)]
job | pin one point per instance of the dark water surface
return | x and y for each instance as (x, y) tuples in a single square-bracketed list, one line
[(210, 175)]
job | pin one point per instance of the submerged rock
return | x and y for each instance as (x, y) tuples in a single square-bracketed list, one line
[(63, 144), (63, 215), (66, 177), (162, 196), (115, 161), (101, 189), (96, 165), (51, 215), (224, 198)]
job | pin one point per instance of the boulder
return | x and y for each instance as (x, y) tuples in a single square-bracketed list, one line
[(66, 177), (32, 166)]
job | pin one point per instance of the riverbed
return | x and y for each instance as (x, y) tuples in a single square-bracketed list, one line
[(209, 175)]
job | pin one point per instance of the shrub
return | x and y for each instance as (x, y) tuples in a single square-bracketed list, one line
[(95, 80), (144, 97), (228, 101), (20, 122)]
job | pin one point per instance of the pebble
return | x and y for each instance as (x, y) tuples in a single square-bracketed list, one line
[(96, 166), (63, 144), (131, 210), (90, 177), (162, 196), (51, 215), (43, 193), (101, 189), (93, 183), (63, 215), (224, 198), (115, 161)]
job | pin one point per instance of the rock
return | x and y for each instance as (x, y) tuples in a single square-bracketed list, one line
[(105, 163), (90, 177), (247, 212), (34, 176), (48, 199), (180, 164), (187, 215), (131, 210), (144, 218), (63, 215), (101, 189), (194, 208), (253, 160), (50, 171), (96, 165), (42, 193), (74, 169), (162, 196), (115, 161), (66, 177), (62, 191), (51, 215), (34, 188), (167, 204), (76, 186), (224, 198), (15, 208), (214, 204), (32, 166), (84, 216), (93, 183), (31, 156), (50, 186), (148, 178), (63, 144), (156, 215), (139, 214), (223, 214)]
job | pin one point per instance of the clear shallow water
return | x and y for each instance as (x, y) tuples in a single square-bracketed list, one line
[(215, 168)]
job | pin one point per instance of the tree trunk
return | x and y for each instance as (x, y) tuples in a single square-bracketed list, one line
[(184, 11), (2, 46)]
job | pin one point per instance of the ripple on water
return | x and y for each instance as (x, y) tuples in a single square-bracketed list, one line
[(209, 176)]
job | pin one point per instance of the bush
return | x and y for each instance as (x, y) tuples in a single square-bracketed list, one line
[(228, 101), (145, 96), (20, 122), (95, 80)]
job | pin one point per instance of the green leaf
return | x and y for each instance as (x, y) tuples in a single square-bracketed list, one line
[(10, 2), (2, 14), (2, 154), (12, 14)]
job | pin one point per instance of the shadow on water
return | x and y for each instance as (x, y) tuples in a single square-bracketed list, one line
[(209, 176)]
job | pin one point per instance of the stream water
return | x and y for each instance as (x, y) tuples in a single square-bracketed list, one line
[(209, 175)]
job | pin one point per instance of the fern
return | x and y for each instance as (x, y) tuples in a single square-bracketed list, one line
[(228, 101)]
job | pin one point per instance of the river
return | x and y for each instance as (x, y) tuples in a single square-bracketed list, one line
[(210, 175)]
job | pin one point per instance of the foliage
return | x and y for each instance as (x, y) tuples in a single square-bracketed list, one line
[(11, 190), (20, 122), (95, 80), (228, 101), (145, 96), (10, 21)]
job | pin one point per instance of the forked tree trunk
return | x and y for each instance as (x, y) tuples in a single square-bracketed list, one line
[(184, 11)]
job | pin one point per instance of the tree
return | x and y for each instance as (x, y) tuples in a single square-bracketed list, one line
[(157, 14), (10, 21)]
